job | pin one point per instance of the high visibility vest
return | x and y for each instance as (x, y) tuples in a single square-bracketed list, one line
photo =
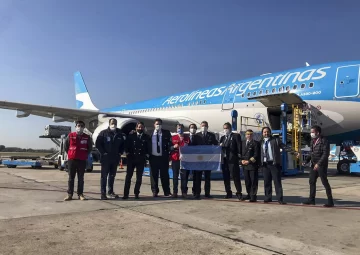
[(78, 148)]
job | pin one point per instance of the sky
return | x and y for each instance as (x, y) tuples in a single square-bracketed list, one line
[(129, 51)]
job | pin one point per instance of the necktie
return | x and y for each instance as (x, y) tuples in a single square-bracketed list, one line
[(191, 138), (157, 143), (267, 150)]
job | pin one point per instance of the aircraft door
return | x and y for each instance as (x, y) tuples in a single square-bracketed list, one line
[(229, 97), (347, 81)]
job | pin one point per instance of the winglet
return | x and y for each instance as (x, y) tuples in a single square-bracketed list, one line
[(307, 64), (83, 100)]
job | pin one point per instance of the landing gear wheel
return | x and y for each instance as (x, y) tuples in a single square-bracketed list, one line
[(343, 167)]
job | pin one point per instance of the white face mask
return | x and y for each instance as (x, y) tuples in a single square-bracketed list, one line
[(157, 127), (79, 130), (313, 135), (226, 131), (112, 127), (204, 129), (192, 130)]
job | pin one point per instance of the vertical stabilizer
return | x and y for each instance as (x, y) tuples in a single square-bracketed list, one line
[(83, 100)]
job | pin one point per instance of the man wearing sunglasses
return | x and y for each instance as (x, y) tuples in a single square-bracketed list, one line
[(78, 146)]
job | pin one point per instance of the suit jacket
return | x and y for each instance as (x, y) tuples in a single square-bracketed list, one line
[(166, 143), (319, 153), (207, 139), (137, 147), (251, 152), (275, 144), (196, 140), (231, 148)]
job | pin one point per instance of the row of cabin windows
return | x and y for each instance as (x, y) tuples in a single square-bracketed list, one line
[(201, 102), (281, 89)]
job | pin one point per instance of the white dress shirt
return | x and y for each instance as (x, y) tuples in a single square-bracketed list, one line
[(154, 143)]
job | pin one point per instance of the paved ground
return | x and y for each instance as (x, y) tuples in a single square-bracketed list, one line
[(35, 220)]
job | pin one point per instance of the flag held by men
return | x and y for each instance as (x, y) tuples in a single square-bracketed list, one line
[(202, 157)]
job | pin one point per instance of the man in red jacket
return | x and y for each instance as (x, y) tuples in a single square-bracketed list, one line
[(78, 146), (179, 140)]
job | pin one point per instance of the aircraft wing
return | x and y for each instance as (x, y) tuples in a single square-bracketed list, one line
[(68, 114)]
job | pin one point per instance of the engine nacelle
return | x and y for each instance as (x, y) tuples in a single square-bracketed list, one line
[(125, 124)]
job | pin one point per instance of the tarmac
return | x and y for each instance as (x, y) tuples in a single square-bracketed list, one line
[(34, 219)]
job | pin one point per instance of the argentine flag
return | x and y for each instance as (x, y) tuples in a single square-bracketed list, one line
[(201, 157)]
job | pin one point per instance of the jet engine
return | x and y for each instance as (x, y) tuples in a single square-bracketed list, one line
[(125, 124)]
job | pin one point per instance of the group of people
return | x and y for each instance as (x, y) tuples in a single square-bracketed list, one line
[(160, 147)]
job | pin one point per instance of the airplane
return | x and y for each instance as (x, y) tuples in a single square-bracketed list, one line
[(331, 90)]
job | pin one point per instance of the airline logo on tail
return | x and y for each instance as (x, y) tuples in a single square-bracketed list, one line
[(241, 88), (83, 100)]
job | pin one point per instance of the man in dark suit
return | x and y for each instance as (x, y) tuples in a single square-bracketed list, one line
[(136, 149), (318, 157), (231, 154), (250, 161), (270, 162), (194, 140), (159, 151), (206, 138)]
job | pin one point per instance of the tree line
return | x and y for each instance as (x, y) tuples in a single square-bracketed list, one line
[(3, 148)]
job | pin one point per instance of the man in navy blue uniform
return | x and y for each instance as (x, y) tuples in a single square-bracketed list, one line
[(111, 144)]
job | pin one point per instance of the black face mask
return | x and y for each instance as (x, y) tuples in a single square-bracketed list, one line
[(140, 131)]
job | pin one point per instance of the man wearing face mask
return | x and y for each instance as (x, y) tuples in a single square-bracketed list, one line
[(136, 149), (78, 146), (194, 140), (205, 138), (270, 162), (159, 150), (179, 140), (320, 150), (110, 143), (250, 158), (231, 154)]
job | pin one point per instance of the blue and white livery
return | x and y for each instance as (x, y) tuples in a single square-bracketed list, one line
[(331, 91)]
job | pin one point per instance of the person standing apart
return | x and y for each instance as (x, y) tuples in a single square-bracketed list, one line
[(319, 159), (231, 154), (250, 158), (111, 144), (136, 149), (78, 146), (159, 150), (179, 140)]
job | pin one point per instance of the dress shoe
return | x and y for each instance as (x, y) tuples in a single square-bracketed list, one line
[(228, 196), (208, 196), (309, 202), (136, 196), (155, 194), (125, 197), (245, 198), (281, 202), (268, 201)]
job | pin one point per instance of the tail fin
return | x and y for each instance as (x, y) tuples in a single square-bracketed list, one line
[(83, 100)]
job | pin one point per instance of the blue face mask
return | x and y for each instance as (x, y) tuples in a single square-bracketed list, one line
[(179, 131)]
